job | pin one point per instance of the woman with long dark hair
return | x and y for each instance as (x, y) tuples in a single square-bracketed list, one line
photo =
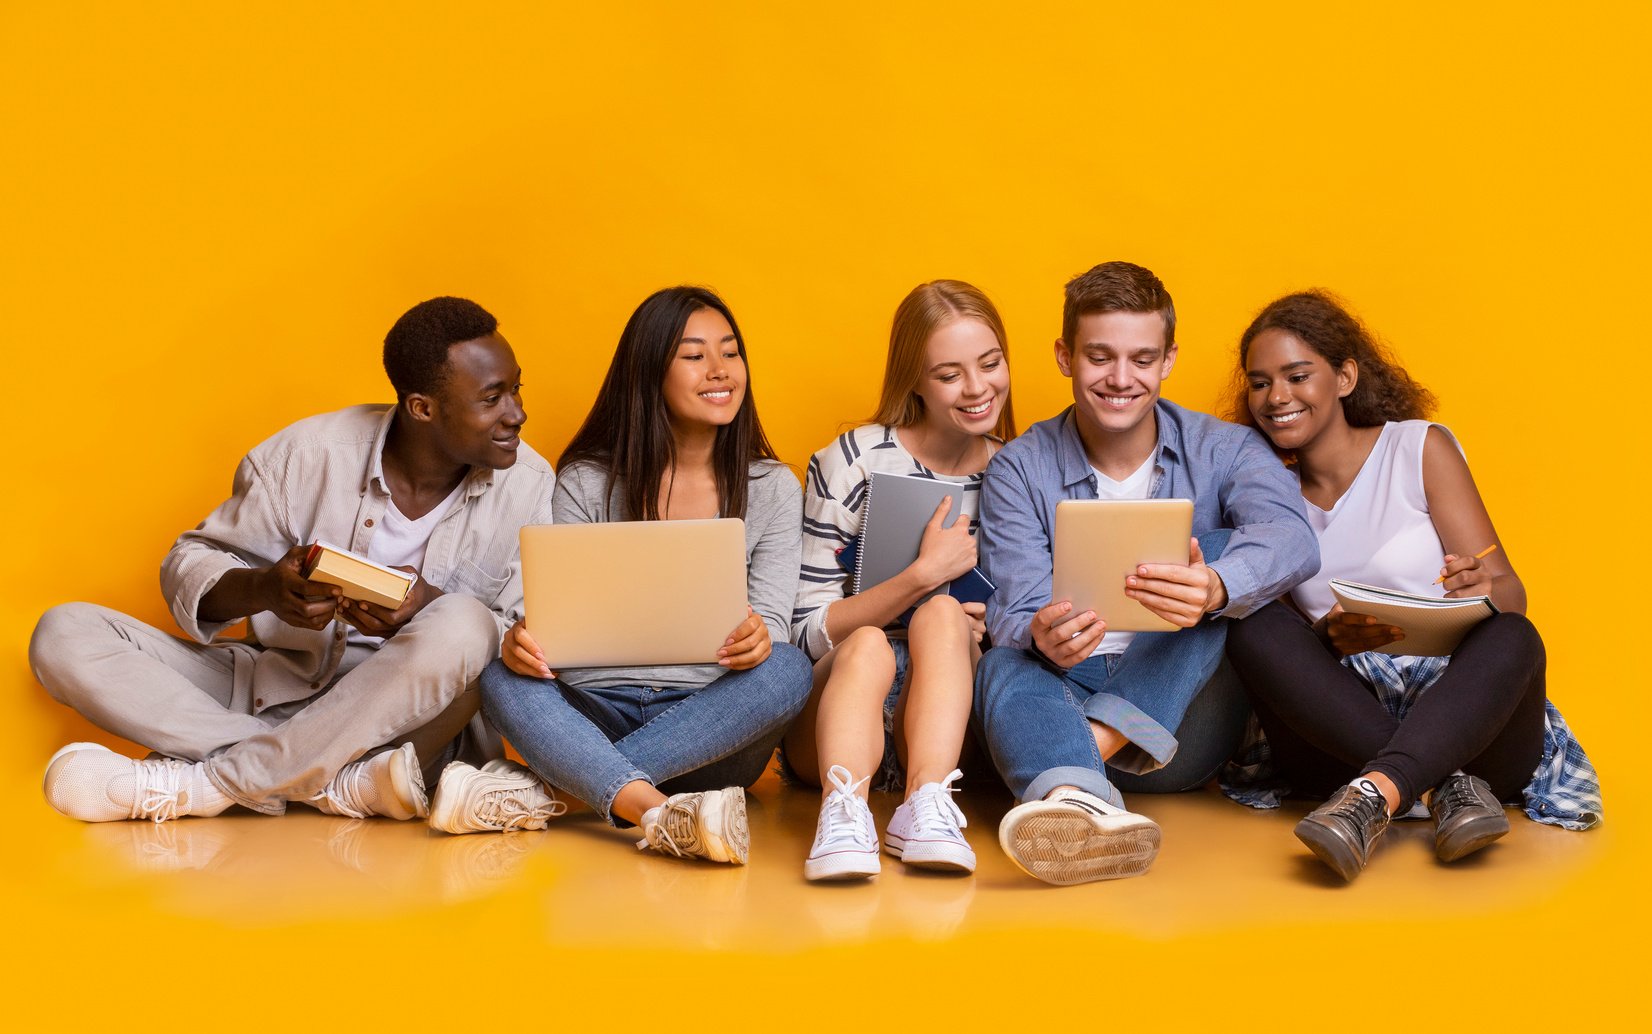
[(673, 435), (1392, 501)]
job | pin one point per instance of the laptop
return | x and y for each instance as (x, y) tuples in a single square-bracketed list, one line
[(1098, 542), (633, 593)]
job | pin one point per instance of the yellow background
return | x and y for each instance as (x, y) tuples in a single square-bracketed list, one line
[(212, 215)]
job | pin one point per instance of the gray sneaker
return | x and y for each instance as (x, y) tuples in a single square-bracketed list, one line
[(710, 824), (1343, 830), (1467, 816)]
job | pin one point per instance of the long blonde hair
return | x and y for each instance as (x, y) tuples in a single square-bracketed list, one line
[(926, 309)]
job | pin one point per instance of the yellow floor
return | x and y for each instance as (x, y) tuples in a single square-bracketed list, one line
[(377, 919)]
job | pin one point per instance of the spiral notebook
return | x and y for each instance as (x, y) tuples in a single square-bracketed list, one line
[(897, 508), (1433, 626)]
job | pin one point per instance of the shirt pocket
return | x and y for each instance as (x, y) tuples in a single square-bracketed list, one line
[(473, 580)]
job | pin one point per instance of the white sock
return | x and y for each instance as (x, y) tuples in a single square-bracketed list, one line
[(205, 798), (1365, 786)]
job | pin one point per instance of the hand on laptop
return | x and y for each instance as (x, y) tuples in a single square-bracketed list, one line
[(522, 655), (1065, 638), (748, 645), (1180, 595), (376, 620)]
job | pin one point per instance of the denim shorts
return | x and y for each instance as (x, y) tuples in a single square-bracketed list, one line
[(891, 775)]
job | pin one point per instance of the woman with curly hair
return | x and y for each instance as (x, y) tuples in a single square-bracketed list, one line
[(1393, 503)]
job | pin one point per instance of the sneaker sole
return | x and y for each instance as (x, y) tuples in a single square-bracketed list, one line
[(1338, 854), (408, 782), (1065, 848), (842, 865), (1470, 837), (443, 817), (723, 822), (938, 856)]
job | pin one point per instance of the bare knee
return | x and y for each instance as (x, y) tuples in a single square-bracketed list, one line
[(939, 615), (866, 656)]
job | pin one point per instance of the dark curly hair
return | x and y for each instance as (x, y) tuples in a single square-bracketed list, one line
[(1319, 320), (415, 350)]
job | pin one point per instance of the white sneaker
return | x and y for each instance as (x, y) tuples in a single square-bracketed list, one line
[(846, 837), (388, 783), (710, 824), (927, 829), (498, 797), (1076, 837), (90, 782)]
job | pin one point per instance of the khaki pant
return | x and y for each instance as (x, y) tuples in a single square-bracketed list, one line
[(201, 703)]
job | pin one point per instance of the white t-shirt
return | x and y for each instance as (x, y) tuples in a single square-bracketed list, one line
[(400, 542), (1136, 485)]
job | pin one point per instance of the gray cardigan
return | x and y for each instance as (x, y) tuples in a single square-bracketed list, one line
[(774, 529)]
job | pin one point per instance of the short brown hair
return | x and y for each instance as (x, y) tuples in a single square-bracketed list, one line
[(1116, 287)]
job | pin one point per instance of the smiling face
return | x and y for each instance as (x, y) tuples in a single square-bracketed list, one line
[(1293, 393), (1117, 362), (966, 379), (477, 415), (705, 381)]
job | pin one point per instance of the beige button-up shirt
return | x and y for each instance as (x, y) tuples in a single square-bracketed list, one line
[(323, 478)]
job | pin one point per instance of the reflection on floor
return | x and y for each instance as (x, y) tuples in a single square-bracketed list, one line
[(1222, 867)]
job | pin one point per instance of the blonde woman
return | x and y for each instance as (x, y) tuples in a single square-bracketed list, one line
[(891, 697)]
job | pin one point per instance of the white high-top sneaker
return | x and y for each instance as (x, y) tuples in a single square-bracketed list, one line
[(846, 838)]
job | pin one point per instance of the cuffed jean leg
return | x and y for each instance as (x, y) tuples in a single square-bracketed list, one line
[(558, 741), (1031, 721), (1209, 734), (735, 716), (1150, 688)]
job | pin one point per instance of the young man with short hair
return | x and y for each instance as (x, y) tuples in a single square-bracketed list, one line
[(337, 703), (1068, 710)]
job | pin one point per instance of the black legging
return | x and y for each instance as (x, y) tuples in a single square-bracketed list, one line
[(1325, 725)]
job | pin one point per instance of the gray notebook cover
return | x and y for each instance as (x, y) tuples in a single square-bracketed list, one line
[(892, 523)]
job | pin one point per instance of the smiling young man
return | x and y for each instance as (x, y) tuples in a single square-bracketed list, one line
[(1069, 711), (340, 704)]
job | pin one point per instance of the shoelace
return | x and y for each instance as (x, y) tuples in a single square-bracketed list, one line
[(1459, 793), (843, 815), (937, 812), (659, 834), (342, 791), (505, 810), (159, 784)]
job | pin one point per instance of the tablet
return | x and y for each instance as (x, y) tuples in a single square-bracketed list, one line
[(1098, 542), (633, 593)]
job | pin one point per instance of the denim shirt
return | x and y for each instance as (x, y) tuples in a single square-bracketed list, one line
[(1234, 480), (323, 478)]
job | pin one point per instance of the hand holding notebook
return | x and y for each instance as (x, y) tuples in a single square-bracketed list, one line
[(1430, 626)]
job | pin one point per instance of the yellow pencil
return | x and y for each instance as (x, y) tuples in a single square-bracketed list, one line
[(1488, 551)]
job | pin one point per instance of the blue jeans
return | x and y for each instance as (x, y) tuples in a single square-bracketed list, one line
[(592, 742), (1035, 718)]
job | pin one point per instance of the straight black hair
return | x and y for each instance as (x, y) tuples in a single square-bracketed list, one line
[(628, 431)]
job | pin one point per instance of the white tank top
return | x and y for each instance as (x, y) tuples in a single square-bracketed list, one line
[(1380, 531)]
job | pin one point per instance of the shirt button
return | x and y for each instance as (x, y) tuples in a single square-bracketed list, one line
[(315, 685), (368, 523), (259, 702), (339, 634)]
